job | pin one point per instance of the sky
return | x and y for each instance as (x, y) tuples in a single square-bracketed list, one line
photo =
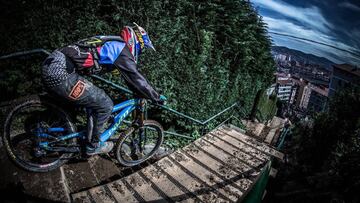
[(333, 22)]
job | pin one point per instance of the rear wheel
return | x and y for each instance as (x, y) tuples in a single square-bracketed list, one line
[(139, 144), (22, 133)]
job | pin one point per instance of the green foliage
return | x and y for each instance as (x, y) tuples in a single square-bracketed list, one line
[(267, 107), (330, 145), (209, 54)]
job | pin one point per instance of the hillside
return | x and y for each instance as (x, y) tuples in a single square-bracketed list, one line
[(302, 57)]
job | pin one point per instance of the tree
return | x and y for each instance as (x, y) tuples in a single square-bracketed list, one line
[(325, 153)]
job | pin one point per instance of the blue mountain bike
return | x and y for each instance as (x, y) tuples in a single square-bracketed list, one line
[(41, 136)]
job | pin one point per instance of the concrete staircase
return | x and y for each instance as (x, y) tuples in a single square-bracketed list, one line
[(222, 166)]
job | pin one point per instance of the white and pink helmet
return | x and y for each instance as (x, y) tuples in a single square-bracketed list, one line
[(137, 39)]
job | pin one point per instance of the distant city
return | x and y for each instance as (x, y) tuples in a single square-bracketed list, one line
[(304, 82)]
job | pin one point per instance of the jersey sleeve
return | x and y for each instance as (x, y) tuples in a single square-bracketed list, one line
[(136, 81), (110, 51)]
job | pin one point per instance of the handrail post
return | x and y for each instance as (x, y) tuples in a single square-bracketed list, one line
[(203, 130), (256, 104)]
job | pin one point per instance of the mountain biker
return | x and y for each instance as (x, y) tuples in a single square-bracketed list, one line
[(63, 71)]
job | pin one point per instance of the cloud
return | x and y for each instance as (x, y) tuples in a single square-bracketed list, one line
[(306, 23), (353, 37), (288, 27), (349, 6), (310, 17)]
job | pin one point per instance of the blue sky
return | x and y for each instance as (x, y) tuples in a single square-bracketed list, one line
[(327, 21)]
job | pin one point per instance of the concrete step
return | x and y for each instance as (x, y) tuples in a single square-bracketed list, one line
[(22, 185), (89, 173), (56, 185), (275, 126), (253, 143), (254, 128)]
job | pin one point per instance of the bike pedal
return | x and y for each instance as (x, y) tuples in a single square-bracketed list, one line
[(83, 157)]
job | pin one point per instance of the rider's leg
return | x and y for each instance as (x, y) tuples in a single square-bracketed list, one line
[(101, 107), (82, 92)]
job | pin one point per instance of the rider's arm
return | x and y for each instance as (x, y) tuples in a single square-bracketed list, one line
[(126, 63)]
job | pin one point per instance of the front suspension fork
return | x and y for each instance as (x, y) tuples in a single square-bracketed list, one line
[(139, 116)]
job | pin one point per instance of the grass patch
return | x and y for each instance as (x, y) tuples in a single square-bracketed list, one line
[(267, 107)]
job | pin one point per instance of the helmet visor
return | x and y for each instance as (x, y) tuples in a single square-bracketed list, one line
[(144, 37)]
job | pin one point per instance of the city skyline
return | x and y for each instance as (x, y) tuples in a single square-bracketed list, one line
[(331, 22)]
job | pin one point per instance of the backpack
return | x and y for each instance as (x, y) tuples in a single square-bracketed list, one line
[(92, 43)]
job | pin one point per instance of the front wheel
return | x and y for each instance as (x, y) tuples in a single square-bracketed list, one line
[(139, 143)]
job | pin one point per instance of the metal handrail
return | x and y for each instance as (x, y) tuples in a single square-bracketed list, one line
[(221, 112), (166, 132), (285, 132), (127, 91), (166, 107), (24, 53)]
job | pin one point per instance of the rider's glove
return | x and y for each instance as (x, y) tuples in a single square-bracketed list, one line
[(162, 100)]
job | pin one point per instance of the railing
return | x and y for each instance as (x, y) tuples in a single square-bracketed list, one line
[(197, 121), (257, 192), (284, 133), (24, 53), (203, 124)]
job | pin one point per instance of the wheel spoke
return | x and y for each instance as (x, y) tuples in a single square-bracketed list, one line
[(23, 139), (146, 139)]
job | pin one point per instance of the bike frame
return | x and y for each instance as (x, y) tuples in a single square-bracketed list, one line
[(125, 109)]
